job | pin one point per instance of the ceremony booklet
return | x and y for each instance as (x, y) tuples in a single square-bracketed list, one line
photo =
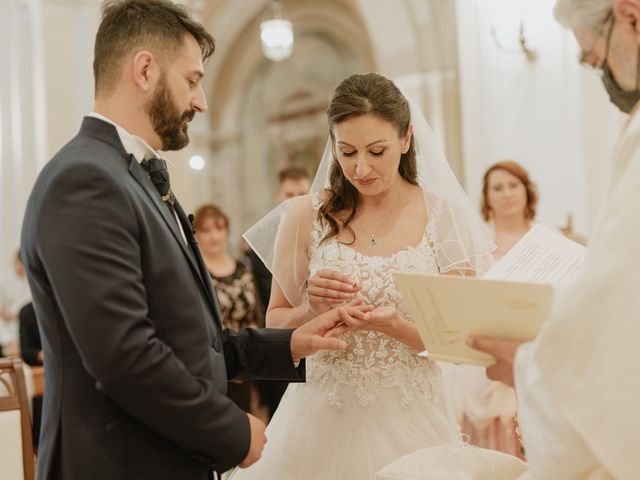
[(511, 301)]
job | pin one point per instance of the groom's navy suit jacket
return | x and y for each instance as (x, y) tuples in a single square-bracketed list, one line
[(136, 360)]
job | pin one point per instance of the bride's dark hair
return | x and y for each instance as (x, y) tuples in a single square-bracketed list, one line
[(357, 95)]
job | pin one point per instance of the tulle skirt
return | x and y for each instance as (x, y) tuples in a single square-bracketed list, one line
[(314, 436)]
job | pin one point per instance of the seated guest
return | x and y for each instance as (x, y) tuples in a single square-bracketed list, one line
[(14, 294), (234, 283)]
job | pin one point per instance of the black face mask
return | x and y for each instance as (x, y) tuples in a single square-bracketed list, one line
[(622, 99)]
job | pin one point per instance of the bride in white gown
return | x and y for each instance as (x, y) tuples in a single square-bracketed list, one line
[(384, 200)]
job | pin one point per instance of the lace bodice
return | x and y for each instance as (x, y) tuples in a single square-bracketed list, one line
[(374, 360)]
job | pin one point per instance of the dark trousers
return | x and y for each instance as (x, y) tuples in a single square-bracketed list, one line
[(270, 394), (36, 408), (240, 393)]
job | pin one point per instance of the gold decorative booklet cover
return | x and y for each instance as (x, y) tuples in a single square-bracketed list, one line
[(511, 301)]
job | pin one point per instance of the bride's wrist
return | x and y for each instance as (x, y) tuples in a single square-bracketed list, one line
[(309, 312), (390, 327), (396, 326)]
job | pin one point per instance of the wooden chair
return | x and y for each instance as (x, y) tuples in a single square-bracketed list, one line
[(16, 447), (37, 378)]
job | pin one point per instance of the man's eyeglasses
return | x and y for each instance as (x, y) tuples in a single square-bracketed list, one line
[(584, 54)]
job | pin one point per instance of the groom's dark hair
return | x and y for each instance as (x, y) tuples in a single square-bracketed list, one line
[(155, 25), (357, 95)]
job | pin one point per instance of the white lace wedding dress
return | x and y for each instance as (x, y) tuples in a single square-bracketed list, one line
[(362, 408)]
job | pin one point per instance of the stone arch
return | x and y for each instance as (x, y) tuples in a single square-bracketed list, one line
[(263, 114)]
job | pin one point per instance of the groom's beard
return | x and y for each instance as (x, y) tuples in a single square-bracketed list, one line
[(166, 119)]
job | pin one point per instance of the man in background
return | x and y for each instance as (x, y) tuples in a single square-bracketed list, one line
[(292, 182)]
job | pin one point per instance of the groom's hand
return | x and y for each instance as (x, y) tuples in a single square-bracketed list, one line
[(320, 332), (503, 350), (258, 439)]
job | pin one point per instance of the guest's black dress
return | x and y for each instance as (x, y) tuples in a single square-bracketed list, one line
[(241, 308)]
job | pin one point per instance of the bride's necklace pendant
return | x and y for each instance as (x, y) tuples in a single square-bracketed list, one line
[(373, 240)]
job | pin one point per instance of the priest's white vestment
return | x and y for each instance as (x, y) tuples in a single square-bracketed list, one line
[(578, 383)]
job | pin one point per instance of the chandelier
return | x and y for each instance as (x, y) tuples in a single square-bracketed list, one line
[(276, 34)]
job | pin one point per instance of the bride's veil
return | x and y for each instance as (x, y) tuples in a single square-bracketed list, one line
[(463, 243)]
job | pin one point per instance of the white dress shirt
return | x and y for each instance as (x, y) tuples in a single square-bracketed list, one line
[(137, 147)]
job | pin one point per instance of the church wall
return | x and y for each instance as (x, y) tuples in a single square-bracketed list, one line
[(548, 114), (483, 103)]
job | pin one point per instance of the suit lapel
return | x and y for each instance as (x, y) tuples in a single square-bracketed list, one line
[(107, 133), (143, 180), (204, 273), (191, 251)]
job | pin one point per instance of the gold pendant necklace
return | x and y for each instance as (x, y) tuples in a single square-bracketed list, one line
[(373, 241)]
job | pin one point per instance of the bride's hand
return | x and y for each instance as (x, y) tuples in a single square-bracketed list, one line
[(367, 317), (382, 319), (328, 288), (385, 320), (352, 317), (320, 332)]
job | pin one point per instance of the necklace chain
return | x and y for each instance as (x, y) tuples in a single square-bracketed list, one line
[(372, 234)]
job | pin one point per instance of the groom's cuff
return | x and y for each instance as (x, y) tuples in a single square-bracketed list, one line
[(271, 358), (300, 367)]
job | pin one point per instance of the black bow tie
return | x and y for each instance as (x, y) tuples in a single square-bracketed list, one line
[(159, 176)]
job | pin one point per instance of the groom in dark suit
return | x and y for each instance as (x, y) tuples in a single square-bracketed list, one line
[(137, 360)]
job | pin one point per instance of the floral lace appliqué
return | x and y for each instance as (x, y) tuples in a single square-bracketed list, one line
[(372, 360)]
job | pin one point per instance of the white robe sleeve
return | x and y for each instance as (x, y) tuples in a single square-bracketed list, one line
[(577, 382), (554, 451)]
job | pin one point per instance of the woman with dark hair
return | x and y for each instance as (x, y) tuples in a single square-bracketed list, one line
[(234, 285), (384, 200)]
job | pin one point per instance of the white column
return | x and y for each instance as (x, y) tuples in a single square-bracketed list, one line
[(22, 116), (38, 106), (69, 30)]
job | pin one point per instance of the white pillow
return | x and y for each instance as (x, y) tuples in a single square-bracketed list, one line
[(454, 462)]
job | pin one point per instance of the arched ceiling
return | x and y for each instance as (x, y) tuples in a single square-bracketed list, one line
[(238, 57)]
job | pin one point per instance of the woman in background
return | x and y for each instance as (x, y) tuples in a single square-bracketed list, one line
[(234, 285), (508, 204), (486, 408)]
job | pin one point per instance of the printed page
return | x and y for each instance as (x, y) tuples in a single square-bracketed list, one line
[(541, 256), (447, 309)]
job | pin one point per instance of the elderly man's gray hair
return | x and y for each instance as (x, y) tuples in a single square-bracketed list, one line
[(582, 13)]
